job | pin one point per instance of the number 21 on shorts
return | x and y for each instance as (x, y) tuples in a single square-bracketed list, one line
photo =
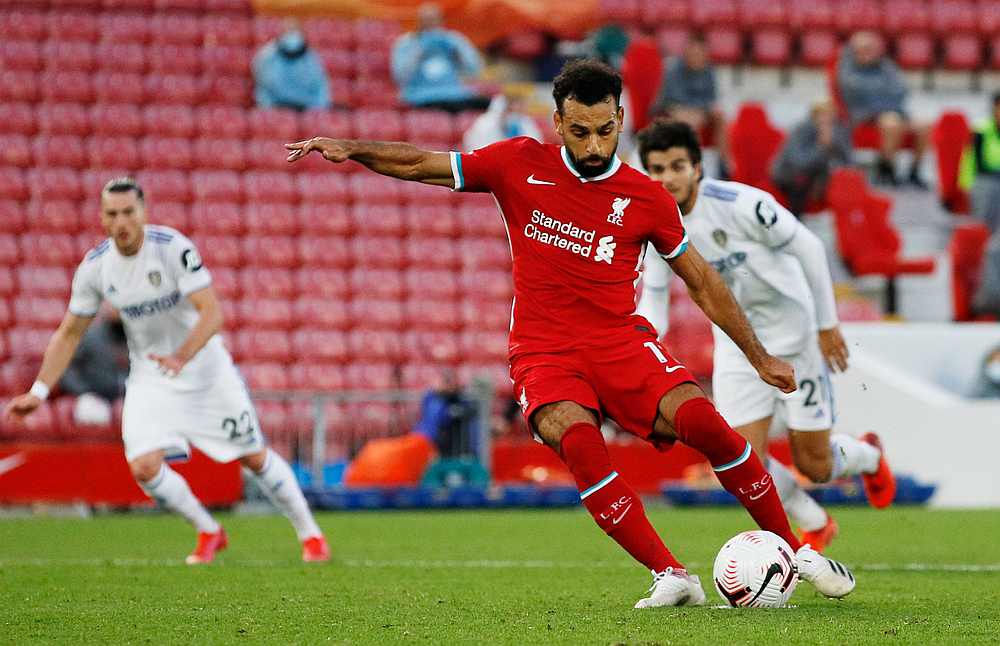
[(655, 349)]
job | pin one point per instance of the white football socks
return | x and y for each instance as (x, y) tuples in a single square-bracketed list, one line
[(172, 491), (801, 508), (851, 456), (278, 483)]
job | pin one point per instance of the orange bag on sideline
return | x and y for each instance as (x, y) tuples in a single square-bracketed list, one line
[(391, 461)]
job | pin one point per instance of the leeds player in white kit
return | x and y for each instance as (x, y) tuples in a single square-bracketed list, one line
[(777, 270), (183, 387)]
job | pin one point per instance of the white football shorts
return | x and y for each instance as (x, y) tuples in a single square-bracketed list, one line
[(741, 396), (219, 420)]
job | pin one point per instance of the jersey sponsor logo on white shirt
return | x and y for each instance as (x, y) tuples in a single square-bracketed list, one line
[(539, 182), (605, 249), (152, 306), (618, 210)]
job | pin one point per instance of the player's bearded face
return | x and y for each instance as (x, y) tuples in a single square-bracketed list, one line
[(673, 168), (123, 216), (590, 134)]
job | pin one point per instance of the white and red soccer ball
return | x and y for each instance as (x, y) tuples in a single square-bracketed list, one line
[(756, 569)]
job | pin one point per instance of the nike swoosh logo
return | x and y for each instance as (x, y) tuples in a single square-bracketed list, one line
[(672, 368), (772, 572), (762, 493), (12, 462), (619, 519), (540, 182)]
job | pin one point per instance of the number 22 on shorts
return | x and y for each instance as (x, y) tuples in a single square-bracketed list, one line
[(655, 349)]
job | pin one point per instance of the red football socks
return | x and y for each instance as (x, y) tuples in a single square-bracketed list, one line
[(613, 504), (737, 467)]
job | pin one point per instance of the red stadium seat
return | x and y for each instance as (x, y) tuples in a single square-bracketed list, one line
[(10, 251), (988, 19), (378, 124), (915, 51), (113, 152), (856, 15), (49, 249), (174, 59), (220, 154), (265, 313), (63, 119), (169, 214), (378, 219), (755, 143), (671, 40), (265, 376), (951, 135), (417, 195), (376, 31), (817, 48), (771, 47), (725, 45), (369, 188), (430, 220), (994, 62), (220, 251), (21, 55), (55, 184), (68, 56), (121, 119), (902, 16), (330, 33), (6, 321), (15, 150), (278, 125), (962, 52), (12, 218), (375, 345), (23, 24), (374, 64), (420, 375), (266, 28), (486, 314), (228, 90), (18, 86), (316, 376), (38, 312), (267, 282), (481, 220), (73, 25), (484, 345), (375, 283), (176, 28), (324, 122), (488, 284), (120, 57), (431, 345), (226, 61), (339, 63), (40, 425), (166, 185), (324, 220), (711, 13), (121, 27), (173, 88), (216, 122), (226, 283), (324, 251), (167, 153), (372, 376), (953, 16), (217, 218), (375, 314), (311, 282), (484, 253), (163, 120), (375, 94), (120, 87), (12, 184), (67, 86), (377, 251), (86, 242), (270, 219), (312, 345), (266, 154), (8, 247), (269, 186), (17, 118), (212, 186), (64, 150), (263, 345), (966, 249), (321, 311), (432, 252), (755, 14), (420, 312), (430, 125), (27, 343), (431, 283), (55, 216), (328, 188), (235, 30)]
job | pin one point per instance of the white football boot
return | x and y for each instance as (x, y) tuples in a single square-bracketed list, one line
[(832, 578), (673, 588)]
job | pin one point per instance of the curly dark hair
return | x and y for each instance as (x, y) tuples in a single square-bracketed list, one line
[(664, 134), (588, 81)]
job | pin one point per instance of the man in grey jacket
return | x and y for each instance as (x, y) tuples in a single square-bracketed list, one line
[(814, 147), (873, 90)]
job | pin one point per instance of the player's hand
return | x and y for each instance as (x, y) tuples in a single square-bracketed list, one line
[(834, 348), (169, 366), (335, 150), (778, 373), (21, 406)]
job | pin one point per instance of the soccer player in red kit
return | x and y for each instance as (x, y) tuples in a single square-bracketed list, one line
[(578, 220)]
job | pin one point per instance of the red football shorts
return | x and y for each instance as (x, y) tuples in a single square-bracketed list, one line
[(624, 380)]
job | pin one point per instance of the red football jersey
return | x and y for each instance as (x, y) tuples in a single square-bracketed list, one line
[(576, 242)]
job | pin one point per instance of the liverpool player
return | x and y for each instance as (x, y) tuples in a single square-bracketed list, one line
[(578, 220)]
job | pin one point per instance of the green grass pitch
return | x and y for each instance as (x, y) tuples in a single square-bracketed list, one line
[(512, 577)]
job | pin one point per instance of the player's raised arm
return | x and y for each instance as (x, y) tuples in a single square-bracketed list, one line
[(58, 354), (395, 159), (712, 295)]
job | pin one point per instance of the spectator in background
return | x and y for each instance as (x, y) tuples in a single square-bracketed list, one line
[(288, 74), (100, 365), (980, 173), (689, 94), (504, 119), (987, 299), (430, 63), (873, 89), (446, 417), (813, 148), (989, 376)]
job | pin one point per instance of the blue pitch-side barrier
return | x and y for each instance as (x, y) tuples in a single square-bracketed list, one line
[(351, 498), (848, 492)]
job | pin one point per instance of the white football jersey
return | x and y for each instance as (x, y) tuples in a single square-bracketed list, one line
[(150, 290), (740, 230)]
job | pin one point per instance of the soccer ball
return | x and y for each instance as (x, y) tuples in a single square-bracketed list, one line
[(756, 570)]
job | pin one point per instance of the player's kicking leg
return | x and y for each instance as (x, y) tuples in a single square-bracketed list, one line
[(279, 484), (571, 431), (816, 526), (822, 456), (167, 487), (685, 414)]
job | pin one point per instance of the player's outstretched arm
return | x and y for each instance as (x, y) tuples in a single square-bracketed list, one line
[(395, 159), (58, 354), (208, 325), (712, 295)]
